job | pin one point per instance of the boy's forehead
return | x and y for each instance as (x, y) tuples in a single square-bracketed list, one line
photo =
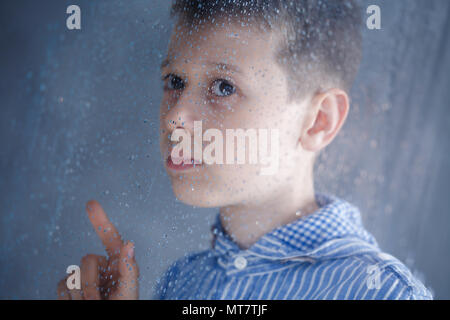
[(232, 46)]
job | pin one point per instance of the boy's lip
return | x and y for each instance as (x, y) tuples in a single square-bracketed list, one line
[(182, 166), (182, 163)]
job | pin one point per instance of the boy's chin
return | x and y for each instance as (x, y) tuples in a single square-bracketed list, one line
[(197, 196)]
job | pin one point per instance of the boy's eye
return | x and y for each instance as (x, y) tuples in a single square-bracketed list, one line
[(222, 88), (174, 83)]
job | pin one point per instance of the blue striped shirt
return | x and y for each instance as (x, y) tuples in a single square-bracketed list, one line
[(325, 255)]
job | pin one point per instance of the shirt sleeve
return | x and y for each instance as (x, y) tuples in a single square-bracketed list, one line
[(415, 296), (401, 285)]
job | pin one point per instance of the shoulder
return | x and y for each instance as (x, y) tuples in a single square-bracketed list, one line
[(376, 275), (397, 280)]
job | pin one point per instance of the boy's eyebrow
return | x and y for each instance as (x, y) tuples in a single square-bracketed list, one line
[(219, 65), (165, 63), (225, 66)]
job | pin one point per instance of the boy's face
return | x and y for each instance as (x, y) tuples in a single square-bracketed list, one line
[(250, 93)]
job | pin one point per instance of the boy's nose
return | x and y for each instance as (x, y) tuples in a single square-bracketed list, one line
[(184, 112), (180, 117)]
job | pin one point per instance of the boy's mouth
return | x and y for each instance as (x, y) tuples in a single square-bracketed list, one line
[(180, 164)]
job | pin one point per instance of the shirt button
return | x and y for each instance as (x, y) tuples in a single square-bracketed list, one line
[(240, 262)]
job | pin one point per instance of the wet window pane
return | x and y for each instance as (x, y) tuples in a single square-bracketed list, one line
[(83, 112)]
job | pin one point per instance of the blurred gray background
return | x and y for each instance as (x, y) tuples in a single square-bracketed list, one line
[(79, 121)]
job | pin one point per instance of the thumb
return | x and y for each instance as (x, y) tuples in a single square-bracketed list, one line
[(128, 286)]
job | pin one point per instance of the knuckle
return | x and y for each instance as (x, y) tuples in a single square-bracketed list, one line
[(62, 283), (87, 258), (61, 290), (91, 293)]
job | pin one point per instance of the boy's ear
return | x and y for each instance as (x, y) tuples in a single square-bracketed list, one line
[(327, 113)]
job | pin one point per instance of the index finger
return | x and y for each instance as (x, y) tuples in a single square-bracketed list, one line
[(104, 228)]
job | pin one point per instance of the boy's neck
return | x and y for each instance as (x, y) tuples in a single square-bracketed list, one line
[(245, 224)]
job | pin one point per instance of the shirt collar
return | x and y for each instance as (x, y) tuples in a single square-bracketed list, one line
[(335, 219)]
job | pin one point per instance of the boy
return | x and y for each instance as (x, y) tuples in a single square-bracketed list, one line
[(284, 65)]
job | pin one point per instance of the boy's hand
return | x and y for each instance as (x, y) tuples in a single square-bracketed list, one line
[(105, 278)]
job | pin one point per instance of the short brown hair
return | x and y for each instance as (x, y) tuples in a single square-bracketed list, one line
[(320, 43)]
